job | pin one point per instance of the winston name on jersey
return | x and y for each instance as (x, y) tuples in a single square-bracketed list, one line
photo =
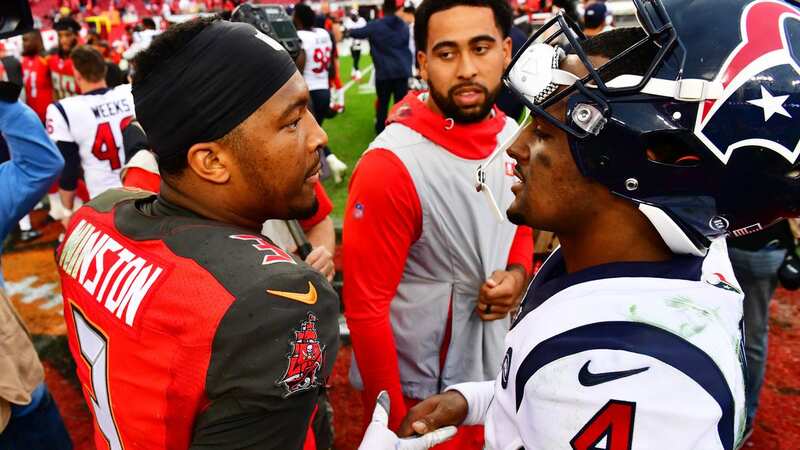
[(623, 356), (94, 121)]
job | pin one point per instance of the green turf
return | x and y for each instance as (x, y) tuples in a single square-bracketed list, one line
[(349, 133)]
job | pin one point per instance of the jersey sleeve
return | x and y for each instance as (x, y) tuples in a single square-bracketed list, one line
[(479, 395), (35, 163), (627, 398), (521, 251), (272, 351), (57, 123), (383, 217)]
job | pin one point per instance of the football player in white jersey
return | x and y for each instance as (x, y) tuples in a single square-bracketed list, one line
[(629, 336), (88, 128), (315, 63), (353, 22)]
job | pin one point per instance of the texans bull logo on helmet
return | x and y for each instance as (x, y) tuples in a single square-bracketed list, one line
[(760, 104)]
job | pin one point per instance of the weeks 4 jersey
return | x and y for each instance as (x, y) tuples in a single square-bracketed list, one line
[(624, 356), (94, 121)]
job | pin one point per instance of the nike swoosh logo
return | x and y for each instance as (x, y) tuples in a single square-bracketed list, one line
[(587, 378), (309, 298)]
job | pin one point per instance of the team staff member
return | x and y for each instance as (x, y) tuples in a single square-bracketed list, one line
[(388, 46), (232, 335), (629, 336), (437, 310)]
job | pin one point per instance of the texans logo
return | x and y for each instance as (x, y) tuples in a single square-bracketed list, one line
[(760, 104)]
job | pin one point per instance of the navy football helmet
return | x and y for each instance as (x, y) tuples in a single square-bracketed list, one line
[(724, 83)]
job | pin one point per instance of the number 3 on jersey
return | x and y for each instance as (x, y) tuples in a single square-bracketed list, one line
[(105, 146), (614, 423), (94, 349)]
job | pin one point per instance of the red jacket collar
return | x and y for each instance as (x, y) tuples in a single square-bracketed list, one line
[(468, 141)]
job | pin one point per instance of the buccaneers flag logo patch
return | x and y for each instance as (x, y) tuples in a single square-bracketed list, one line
[(305, 359)]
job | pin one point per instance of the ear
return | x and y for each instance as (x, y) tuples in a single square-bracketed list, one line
[(210, 162), (507, 52), (78, 77), (422, 60)]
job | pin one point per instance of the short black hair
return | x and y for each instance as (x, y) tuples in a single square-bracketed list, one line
[(503, 16), (389, 6), (67, 24), (305, 15), (164, 47), (613, 42)]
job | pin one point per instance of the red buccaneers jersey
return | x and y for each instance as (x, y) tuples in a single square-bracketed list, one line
[(38, 84), (190, 333), (63, 76)]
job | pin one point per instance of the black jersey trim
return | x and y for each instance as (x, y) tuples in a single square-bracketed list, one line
[(643, 339), (60, 109)]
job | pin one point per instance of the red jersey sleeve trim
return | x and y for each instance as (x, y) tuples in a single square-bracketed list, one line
[(383, 218)]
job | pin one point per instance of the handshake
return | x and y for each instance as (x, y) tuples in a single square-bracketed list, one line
[(424, 420)]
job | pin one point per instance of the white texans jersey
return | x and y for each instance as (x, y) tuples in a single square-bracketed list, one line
[(623, 356), (350, 24), (318, 47), (94, 121)]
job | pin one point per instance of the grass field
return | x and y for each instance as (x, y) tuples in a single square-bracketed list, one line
[(350, 132)]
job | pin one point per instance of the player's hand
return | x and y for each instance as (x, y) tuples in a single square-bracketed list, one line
[(322, 260), (380, 437), (500, 294), (440, 410)]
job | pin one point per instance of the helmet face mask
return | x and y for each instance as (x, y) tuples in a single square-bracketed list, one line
[(677, 126)]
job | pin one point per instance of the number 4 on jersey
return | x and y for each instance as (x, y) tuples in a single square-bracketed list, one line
[(105, 146), (613, 423)]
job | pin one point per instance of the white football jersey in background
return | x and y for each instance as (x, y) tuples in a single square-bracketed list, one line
[(318, 47), (95, 122), (621, 356), (350, 24)]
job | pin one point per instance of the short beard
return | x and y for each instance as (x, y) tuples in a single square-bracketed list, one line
[(450, 110), (516, 218), (306, 213)]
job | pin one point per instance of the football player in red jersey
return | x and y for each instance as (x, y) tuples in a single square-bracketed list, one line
[(189, 328), (36, 74), (61, 68)]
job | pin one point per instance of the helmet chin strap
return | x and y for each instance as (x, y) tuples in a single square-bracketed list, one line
[(672, 234)]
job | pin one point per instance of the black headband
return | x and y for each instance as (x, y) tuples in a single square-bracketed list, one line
[(213, 84)]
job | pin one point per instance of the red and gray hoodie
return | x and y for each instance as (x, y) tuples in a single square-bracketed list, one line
[(418, 244)]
